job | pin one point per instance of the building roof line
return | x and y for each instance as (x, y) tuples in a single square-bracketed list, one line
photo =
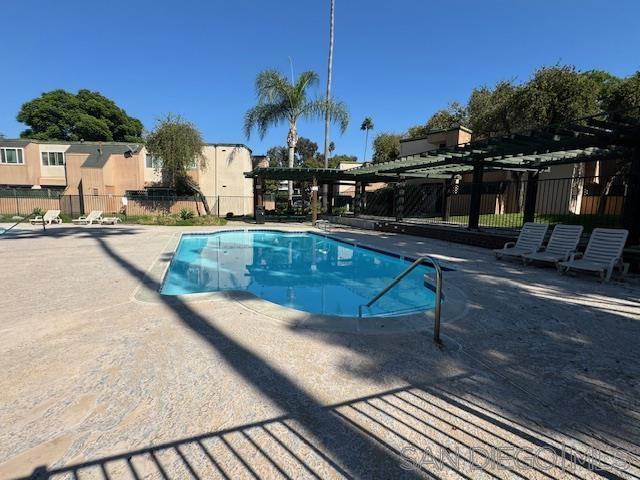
[(441, 130), (107, 143)]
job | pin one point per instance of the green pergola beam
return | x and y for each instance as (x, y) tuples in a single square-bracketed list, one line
[(599, 136)]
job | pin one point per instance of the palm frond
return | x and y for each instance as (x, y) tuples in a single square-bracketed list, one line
[(262, 116), (338, 112), (271, 85)]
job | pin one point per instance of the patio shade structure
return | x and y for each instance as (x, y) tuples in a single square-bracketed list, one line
[(605, 136)]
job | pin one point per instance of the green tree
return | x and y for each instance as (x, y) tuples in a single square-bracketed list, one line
[(452, 116), (306, 150), (60, 115), (277, 156), (179, 145), (417, 131), (367, 124), (282, 101), (604, 83), (554, 95), (386, 147), (625, 94), (491, 111)]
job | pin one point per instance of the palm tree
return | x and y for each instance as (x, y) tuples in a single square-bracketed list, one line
[(326, 118), (367, 124), (281, 100)]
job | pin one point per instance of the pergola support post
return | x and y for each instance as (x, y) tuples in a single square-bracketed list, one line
[(530, 197), (356, 200), (258, 194), (476, 195), (446, 208), (363, 196), (631, 208), (399, 203), (330, 198), (314, 202)]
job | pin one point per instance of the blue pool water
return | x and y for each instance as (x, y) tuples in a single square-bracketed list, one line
[(304, 271)]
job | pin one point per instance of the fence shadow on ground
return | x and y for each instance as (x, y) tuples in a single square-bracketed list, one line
[(457, 427), (433, 430)]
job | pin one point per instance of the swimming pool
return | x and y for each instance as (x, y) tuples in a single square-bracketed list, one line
[(300, 270)]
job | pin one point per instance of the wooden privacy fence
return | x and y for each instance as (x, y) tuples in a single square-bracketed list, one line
[(26, 205), (19, 203)]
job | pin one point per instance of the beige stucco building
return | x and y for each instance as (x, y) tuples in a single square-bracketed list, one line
[(110, 168), (435, 139)]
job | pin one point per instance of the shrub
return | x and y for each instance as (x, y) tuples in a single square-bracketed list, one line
[(186, 214), (339, 211), (37, 211)]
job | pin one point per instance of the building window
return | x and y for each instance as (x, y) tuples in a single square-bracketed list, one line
[(151, 161), (12, 156), (53, 159)]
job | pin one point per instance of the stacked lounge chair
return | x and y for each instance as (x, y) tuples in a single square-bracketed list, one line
[(48, 218), (94, 217), (603, 253), (563, 242), (529, 241)]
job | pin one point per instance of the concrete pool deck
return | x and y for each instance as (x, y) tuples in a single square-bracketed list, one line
[(538, 379)]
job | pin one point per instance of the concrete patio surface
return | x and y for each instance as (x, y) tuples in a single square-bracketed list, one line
[(104, 378)]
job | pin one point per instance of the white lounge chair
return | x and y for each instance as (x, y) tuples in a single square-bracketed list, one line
[(48, 218), (529, 241), (94, 217), (603, 253), (109, 220), (563, 242)]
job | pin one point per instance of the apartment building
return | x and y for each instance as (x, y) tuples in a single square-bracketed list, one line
[(110, 168)]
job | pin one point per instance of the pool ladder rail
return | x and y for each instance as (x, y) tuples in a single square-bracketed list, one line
[(22, 219), (420, 261)]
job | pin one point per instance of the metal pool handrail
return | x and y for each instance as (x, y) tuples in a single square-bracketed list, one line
[(404, 273), (23, 219)]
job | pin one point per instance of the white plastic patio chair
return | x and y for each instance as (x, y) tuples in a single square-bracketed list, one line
[(563, 242), (110, 220), (603, 253), (529, 241), (48, 218), (94, 217)]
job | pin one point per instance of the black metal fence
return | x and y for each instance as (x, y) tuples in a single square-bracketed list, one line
[(590, 201), (23, 202)]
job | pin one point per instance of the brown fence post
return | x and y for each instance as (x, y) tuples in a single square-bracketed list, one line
[(446, 211), (476, 195), (530, 197), (399, 203), (314, 202), (631, 207)]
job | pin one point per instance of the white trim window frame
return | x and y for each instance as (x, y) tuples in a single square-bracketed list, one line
[(152, 161), (52, 159), (18, 155)]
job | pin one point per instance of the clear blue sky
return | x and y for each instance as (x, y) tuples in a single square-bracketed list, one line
[(396, 61)]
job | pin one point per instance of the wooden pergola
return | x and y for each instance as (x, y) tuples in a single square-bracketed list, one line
[(606, 136)]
